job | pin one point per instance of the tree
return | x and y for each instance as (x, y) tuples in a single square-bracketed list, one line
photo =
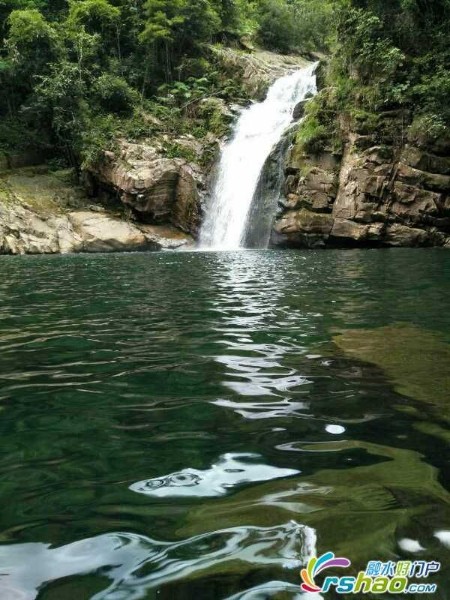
[(174, 27), (31, 45), (97, 16)]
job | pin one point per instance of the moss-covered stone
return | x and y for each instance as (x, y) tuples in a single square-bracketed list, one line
[(43, 191)]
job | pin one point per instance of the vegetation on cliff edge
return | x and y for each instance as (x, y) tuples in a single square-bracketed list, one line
[(76, 74), (390, 64)]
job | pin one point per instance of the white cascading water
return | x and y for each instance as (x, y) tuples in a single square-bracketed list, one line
[(258, 130)]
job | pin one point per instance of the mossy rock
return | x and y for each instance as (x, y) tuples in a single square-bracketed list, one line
[(44, 192)]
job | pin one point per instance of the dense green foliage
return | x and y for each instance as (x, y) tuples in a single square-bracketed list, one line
[(390, 58), (297, 24), (77, 73)]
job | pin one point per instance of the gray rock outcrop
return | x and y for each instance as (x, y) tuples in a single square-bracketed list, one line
[(38, 218), (374, 194), (24, 232), (160, 190)]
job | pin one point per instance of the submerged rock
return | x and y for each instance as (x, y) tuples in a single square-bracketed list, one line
[(414, 359), (377, 512)]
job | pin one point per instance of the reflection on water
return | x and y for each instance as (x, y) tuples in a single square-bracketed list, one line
[(135, 564), (264, 406), (443, 537), (264, 410), (230, 471)]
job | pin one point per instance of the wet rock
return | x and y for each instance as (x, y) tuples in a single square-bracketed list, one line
[(400, 235), (186, 213), (165, 237), (299, 110)]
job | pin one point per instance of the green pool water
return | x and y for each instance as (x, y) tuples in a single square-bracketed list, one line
[(197, 425)]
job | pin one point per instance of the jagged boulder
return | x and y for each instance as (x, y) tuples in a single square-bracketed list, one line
[(158, 189), (376, 194)]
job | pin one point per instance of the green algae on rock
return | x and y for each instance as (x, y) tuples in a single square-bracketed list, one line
[(386, 497), (414, 359)]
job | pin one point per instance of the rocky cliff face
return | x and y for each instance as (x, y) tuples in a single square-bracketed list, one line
[(162, 190), (380, 191), (139, 197), (159, 190), (45, 213)]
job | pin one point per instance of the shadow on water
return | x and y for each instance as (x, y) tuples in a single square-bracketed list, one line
[(199, 424)]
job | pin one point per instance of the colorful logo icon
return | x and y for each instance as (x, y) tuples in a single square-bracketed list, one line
[(316, 566), (379, 577)]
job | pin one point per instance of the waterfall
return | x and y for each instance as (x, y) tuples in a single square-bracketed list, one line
[(269, 193), (258, 130)]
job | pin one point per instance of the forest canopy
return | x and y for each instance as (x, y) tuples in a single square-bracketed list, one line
[(73, 73), (70, 68)]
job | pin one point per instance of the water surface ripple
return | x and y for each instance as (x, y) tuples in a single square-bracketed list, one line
[(196, 425)]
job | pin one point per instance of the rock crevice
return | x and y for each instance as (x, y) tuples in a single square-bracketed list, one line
[(370, 195)]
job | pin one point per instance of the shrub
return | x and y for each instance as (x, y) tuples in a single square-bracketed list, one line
[(114, 94), (98, 136), (312, 134), (427, 128)]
